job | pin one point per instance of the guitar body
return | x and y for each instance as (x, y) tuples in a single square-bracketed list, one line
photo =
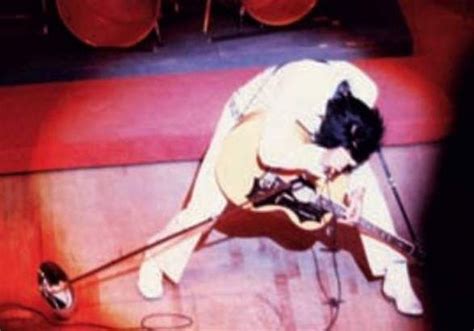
[(238, 168)]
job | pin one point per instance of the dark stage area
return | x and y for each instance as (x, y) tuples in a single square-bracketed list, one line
[(39, 48)]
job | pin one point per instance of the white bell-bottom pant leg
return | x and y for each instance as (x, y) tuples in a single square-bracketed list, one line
[(375, 210), (383, 260), (206, 201)]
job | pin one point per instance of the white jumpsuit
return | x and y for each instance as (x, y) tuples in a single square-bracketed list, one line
[(296, 91)]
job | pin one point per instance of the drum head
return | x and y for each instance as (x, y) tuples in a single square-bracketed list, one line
[(109, 23), (278, 12)]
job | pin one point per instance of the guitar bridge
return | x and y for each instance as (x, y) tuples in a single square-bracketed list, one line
[(306, 212), (298, 195)]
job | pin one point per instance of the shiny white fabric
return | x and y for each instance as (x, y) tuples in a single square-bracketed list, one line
[(297, 91)]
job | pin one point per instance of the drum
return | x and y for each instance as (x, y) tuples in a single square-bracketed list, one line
[(278, 12), (109, 23)]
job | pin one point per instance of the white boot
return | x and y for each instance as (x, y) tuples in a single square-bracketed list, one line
[(397, 286), (150, 280)]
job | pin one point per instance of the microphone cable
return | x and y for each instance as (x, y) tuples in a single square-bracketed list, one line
[(334, 303), (147, 323)]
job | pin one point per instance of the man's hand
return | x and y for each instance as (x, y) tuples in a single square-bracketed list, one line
[(335, 160), (354, 202)]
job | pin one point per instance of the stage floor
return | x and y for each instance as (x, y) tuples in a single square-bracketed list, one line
[(82, 218)]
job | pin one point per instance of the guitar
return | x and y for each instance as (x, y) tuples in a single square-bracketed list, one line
[(291, 201)]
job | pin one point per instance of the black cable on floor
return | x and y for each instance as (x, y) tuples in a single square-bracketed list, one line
[(7, 323), (333, 302)]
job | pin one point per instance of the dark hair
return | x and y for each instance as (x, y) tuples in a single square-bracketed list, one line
[(350, 123)]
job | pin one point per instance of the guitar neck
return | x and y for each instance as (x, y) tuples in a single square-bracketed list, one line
[(396, 242), (364, 226)]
